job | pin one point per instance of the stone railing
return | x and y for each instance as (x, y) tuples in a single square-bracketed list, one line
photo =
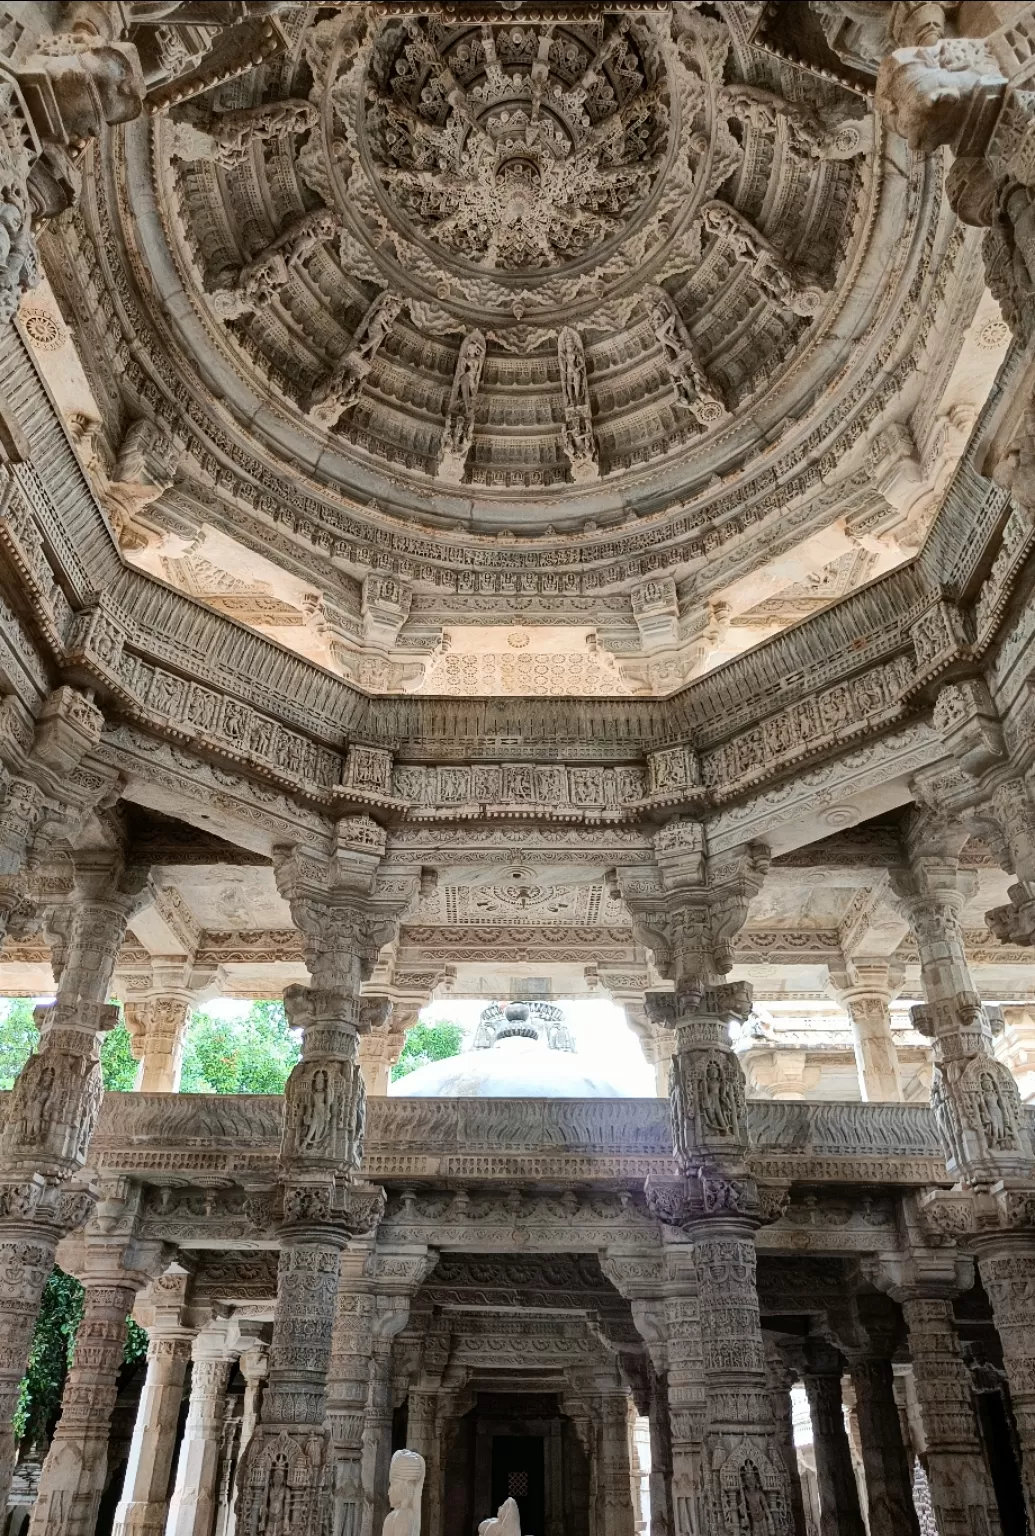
[(867, 1143), (582, 1139)]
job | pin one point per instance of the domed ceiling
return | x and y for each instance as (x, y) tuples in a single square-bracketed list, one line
[(516, 258), (604, 318)]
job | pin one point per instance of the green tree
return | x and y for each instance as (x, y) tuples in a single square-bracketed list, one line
[(250, 1055), (118, 1067), (39, 1397), (18, 1036), (428, 1042), (52, 1352)]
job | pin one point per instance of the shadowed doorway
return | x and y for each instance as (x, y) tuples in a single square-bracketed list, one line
[(519, 1472)]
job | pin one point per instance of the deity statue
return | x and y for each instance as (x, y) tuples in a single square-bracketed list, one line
[(718, 1110), (692, 387), (405, 1482), (272, 1516), (341, 389), (505, 1522), (577, 430), (459, 426), (317, 1123), (993, 1114), (19, 259)]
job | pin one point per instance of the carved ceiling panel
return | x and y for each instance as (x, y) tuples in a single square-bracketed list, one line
[(524, 256), (510, 255)]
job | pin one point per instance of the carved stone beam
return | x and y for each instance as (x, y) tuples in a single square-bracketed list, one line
[(46, 790)]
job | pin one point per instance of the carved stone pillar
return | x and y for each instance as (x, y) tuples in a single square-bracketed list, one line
[(348, 1383), (346, 918), (144, 1505), (961, 1488), (192, 1508), (686, 1407), (839, 1511), (613, 1472), (666, 1315), (627, 989), (697, 902), (75, 1470), (889, 1476), (924, 1282), (974, 1097), (1007, 1265), (865, 992), (381, 1042), (157, 1026), (229, 1451), (377, 1418), (720, 1208), (51, 1114), (254, 1364), (781, 1380), (421, 1436), (660, 1480)]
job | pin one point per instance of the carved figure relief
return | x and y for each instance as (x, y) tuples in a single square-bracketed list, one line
[(577, 424), (458, 432), (339, 392), (317, 1114), (19, 259), (716, 1100), (701, 398), (753, 1495)]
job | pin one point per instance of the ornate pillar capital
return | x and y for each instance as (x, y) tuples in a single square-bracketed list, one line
[(344, 911), (691, 904), (921, 1274)]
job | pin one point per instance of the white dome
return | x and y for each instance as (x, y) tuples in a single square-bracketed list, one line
[(515, 1068)]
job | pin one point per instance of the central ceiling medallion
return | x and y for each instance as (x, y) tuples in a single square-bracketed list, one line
[(518, 254), (517, 148), (515, 172)]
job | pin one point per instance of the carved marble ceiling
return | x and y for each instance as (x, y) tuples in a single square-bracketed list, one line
[(523, 256), (530, 316)]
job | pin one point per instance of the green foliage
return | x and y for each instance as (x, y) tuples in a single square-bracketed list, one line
[(118, 1068), (39, 1396), (428, 1042), (136, 1343), (18, 1037), (250, 1055), (53, 1348)]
